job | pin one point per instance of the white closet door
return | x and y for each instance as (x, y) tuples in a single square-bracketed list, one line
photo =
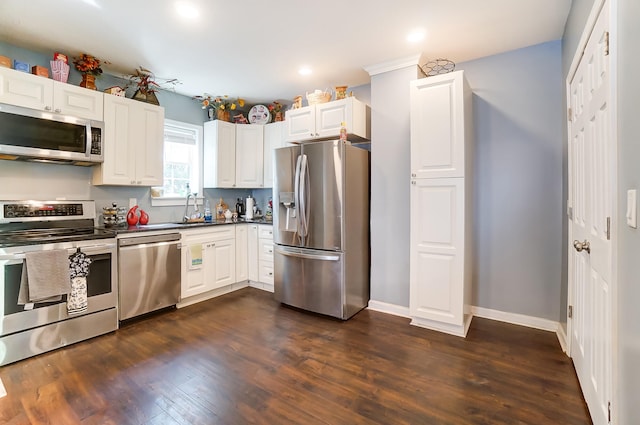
[(590, 181)]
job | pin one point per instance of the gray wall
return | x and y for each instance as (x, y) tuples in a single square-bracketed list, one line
[(390, 176), (518, 174), (626, 35)]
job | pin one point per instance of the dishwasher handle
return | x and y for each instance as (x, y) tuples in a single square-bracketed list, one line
[(151, 239)]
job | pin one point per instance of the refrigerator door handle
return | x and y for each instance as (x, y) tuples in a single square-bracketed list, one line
[(296, 192), (304, 196), (309, 256)]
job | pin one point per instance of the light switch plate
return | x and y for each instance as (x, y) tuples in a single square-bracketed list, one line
[(632, 220)]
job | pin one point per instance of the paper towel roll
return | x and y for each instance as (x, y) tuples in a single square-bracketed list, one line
[(249, 208)]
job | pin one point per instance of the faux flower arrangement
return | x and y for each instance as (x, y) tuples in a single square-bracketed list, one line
[(145, 81), (219, 102), (275, 108), (88, 64)]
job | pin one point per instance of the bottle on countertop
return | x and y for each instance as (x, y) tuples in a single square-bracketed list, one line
[(343, 131), (240, 207), (207, 212)]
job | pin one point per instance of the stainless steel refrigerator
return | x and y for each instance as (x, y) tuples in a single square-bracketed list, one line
[(321, 227)]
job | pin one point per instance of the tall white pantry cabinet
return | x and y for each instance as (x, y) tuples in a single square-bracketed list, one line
[(440, 210)]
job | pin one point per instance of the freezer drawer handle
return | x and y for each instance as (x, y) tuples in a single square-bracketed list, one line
[(310, 256)]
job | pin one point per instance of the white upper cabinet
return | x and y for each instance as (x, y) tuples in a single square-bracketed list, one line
[(440, 116), (249, 155), (219, 154), (36, 92), (133, 144), (300, 124), (323, 121), (234, 154), (78, 101), (273, 139)]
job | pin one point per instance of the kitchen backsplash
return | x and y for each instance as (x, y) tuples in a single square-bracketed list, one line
[(26, 180)]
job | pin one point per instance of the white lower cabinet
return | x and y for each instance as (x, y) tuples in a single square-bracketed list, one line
[(440, 273), (242, 262), (260, 256), (252, 252), (265, 254), (220, 259), (208, 260)]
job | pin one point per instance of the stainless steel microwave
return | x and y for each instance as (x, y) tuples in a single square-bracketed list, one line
[(40, 136)]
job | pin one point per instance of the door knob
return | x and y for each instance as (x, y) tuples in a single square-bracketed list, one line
[(580, 246)]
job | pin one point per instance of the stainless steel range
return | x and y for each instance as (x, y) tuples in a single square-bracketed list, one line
[(26, 227)]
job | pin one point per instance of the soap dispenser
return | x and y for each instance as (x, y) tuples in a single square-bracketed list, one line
[(207, 212)]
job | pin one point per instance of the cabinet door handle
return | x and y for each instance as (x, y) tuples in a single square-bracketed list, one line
[(47, 108), (133, 182), (413, 174), (58, 110), (139, 182)]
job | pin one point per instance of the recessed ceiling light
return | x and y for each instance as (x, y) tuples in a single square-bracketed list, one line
[(416, 35), (92, 3), (187, 10), (305, 70)]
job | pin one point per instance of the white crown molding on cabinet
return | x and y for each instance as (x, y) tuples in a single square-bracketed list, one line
[(393, 65)]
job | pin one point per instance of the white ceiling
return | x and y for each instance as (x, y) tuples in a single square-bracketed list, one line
[(254, 49)]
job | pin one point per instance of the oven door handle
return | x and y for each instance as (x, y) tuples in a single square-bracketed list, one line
[(89, 250), (94, 249)]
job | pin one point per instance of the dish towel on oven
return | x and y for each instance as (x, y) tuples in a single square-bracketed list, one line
[(78, 270), (45, 276)]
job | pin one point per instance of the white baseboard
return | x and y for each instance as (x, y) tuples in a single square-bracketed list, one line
[(185, 302), (261, 285), (396, 310), (562, 338), (516, 319), (486, 313)]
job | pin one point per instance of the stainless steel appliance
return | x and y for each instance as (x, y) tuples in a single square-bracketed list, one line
[(149, 273), (321, 227), (29, 134), (29, 226)]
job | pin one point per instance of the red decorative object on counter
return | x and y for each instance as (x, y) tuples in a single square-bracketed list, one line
[(132, 217), (144, 217)]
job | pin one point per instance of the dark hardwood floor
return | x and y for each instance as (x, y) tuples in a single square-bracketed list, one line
[(242, 358)]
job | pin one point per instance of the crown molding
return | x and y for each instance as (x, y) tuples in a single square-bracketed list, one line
[(393, 65)]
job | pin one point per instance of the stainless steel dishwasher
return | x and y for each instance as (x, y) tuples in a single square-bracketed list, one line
[(148, 273)]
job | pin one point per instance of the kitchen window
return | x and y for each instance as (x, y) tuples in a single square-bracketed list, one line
[(182, 164)]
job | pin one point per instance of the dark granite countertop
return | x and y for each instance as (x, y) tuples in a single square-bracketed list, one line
[(183, 226)]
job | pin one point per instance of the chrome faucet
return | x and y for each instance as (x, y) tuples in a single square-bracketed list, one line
[(196, 212)]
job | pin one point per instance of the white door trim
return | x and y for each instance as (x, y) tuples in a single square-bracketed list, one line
[(613, 75)]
